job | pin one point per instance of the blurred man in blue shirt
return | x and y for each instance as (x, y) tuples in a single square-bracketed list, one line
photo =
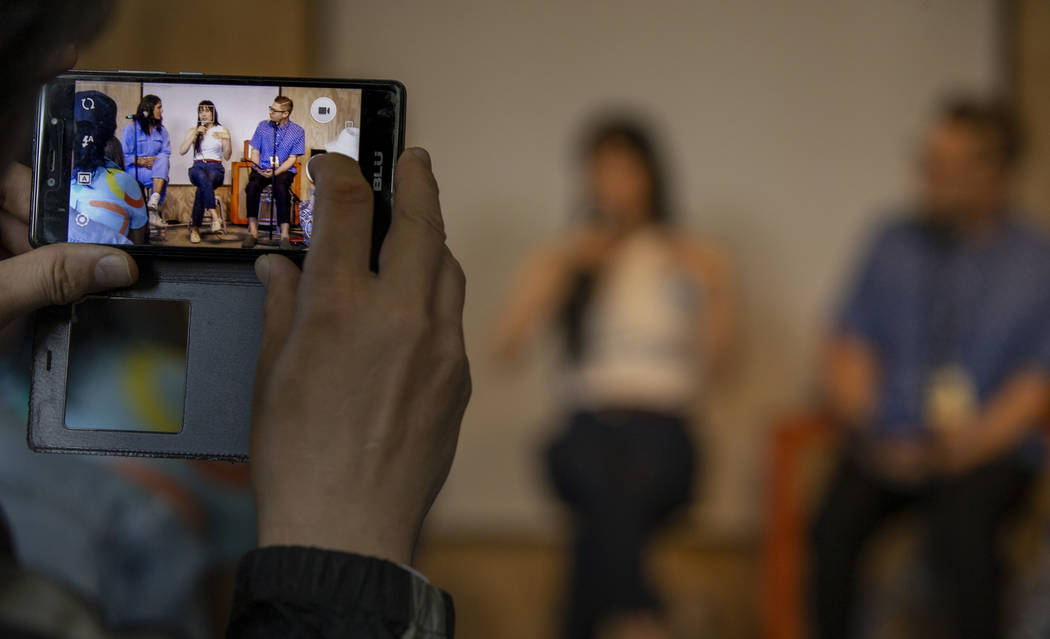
[(276, 145), (939, 365)]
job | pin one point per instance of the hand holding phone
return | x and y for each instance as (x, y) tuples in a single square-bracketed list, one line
[(359, 474), (51, 274), (211, 282)]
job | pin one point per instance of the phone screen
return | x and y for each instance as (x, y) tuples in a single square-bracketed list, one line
[(178, 164)]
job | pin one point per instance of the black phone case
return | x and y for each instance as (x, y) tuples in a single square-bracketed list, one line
[(225, 325)]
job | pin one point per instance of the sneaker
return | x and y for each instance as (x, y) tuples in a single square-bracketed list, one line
[(155, 221), (249, 242), (195, 236), (216, 223), (286, 244), (154, 201)]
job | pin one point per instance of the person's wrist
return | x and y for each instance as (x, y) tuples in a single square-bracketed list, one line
[(362, 537)]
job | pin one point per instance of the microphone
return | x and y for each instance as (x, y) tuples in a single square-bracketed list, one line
[(273, 124), (131, 117)]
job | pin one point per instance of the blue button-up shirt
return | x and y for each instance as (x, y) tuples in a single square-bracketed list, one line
[(291, 140), (139, 144), (923, 300)]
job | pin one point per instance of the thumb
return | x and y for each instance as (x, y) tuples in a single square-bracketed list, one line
[(281, 279), (60, 274)]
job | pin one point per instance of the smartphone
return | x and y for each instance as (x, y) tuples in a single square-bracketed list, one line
[(118, 159), (165, 367)]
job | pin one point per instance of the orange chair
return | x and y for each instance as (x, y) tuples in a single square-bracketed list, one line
[(785, 546)]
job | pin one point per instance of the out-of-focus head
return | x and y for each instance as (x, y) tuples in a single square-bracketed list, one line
[(967, 158), (625, 180), (38, 39), (95, 114)]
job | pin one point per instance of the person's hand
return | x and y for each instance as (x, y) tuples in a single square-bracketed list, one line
[(54, 274), (960, 449), (590, 247), (201, 129), (264, 172), (362, 378), (902, 460), (146, 162), (222, 134)]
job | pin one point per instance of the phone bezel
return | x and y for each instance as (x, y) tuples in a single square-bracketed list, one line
[(382, 141)]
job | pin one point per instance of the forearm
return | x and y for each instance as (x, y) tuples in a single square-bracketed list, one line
[(542, 288), (287, 164), (850, 380), (1014, 411), (187, 142)]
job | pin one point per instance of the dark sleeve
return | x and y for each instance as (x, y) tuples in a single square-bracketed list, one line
[(292, 592), (7, 545)]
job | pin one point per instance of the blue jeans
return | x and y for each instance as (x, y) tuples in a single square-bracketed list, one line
[(206, 176)]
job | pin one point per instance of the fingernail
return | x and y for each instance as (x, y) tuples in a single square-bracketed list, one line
[(421, 155), (112, 271), (262, 269)]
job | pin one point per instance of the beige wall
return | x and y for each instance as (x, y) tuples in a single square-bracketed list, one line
[(204, 36), (790, 127)]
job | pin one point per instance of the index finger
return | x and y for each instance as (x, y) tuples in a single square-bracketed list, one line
[(343, 203), (16, 188)]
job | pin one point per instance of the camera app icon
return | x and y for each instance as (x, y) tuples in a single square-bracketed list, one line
[(323, 110)]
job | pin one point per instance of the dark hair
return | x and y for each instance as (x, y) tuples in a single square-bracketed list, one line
[(30, 33), (628, 131), (115, 153), (634, 134), (91, 155), (214, 120), (284, 100), (993, 120), (144, 113)]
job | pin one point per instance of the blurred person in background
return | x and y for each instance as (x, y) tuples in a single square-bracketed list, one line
[(938, 368), (646, 313)]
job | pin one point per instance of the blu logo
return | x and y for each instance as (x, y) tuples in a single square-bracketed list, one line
[(377, 177)]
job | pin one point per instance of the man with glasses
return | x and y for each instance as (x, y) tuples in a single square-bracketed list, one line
[(276, 145)]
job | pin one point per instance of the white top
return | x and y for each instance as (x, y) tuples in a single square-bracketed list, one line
[(640, 332), (211, 145)]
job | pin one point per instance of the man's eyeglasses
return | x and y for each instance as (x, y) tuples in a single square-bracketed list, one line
[(273, 110)]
